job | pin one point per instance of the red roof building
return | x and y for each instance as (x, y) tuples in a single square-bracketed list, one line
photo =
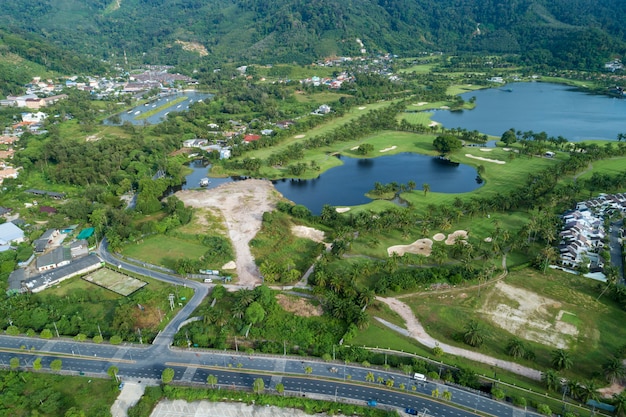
[(251, 138)]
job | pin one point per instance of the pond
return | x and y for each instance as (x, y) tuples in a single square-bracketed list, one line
[(555, 109), (134, 115), (347, 184)]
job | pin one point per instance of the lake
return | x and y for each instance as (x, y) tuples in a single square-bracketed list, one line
[(347, 184), (555, 109), (132, 115)]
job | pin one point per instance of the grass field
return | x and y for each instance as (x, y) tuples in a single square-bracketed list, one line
[(114, 281), (591, 335), (319, 98), (607, 166), (164, 250)]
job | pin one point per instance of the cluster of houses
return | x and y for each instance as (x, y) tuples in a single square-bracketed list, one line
[(53, 261), (583, 234), (7, 151)]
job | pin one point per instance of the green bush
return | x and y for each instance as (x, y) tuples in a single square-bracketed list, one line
[(544, 409), (115, 340)]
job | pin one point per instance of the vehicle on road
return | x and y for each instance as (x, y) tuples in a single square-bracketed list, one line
[(411, 411), (372, 403), (419, 377)]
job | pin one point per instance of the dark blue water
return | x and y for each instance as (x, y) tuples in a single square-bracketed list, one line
[(346, 185), (552, 108)]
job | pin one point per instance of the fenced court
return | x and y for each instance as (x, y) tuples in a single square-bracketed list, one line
[(114, 281)]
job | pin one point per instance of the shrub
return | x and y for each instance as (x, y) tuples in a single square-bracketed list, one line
[(115, 340), (544, 409)]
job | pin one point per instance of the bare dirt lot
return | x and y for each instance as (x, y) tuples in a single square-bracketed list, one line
[(529, 315), (298, 306), (242, 204)]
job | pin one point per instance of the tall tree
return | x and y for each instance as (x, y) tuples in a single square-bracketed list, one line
[(474, 334), (561, 359)]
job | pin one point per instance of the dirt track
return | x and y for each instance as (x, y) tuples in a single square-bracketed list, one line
[(242, 203)]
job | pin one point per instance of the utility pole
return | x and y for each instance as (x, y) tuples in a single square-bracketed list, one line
[(284, 348), (55, 328), (99, 331), (236, 345)]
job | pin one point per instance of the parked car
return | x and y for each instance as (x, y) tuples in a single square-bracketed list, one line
[(372, 403), (411, 411)]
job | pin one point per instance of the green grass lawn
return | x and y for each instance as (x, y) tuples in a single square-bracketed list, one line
[(418, 69), (421, 118), (164, 250), (598, 322), (454, 90), (607, 166), (319, 98)]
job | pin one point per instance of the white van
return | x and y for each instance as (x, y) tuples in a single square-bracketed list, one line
[(419, 377), (208, 280)]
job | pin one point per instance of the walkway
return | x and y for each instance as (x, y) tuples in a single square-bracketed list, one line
[(417, 332)]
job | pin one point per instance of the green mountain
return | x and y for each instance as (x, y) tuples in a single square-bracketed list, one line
[(572, 33)]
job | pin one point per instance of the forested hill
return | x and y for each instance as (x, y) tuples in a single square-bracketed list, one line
[(571, 33), (23, 56)]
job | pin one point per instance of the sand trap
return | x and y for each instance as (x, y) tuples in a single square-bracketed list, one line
[(308, 233), (362, 108), (439, 237), (456, 235), (342, 209), (488, 239), (299, 136), (354, 148), (388, 149), (506, 149), (495, 161), (444, 108), (229, 265), (431, 124), (422, 103), (486, 149), (419, 247)]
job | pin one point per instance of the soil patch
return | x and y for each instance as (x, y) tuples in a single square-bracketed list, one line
[(242, 204), (298, 306), (420, 247), (308, 233), (529, 315), (230, 265)]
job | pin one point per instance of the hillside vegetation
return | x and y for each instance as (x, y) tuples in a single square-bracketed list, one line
[(577, 33)]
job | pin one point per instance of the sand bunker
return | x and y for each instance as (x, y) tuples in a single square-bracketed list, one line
[(419, 247), (432, 124), (486, 149), (362, 108), (506, 149), (342, 209), (456, 235), (421, 103), (488, 239), (495, 161), (391, 148), (439, 237), (308, 233), (299, 136), (354, 148)]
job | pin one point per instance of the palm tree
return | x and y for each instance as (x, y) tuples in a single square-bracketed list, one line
[(551, 379), (620, 404), (369, 377), (588, 391), (561, 359), (411, 184), (516, 348), (474, 334), (426, 188), (614, 370)]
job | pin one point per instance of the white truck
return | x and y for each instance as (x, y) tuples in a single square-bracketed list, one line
[(419, 377)]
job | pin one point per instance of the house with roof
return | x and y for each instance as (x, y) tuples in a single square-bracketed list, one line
[(10, 234), (44, 240), (195, 143), (54, 276), (251, 138), (54, 259)]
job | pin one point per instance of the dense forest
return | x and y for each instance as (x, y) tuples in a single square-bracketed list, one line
[(576, 34)]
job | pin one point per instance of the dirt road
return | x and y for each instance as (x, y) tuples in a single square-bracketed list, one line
[(242, 204)]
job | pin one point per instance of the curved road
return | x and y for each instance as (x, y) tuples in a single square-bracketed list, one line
[(193, 366)]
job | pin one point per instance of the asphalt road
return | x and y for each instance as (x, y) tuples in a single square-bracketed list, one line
[(146, 363), (615, 248)]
